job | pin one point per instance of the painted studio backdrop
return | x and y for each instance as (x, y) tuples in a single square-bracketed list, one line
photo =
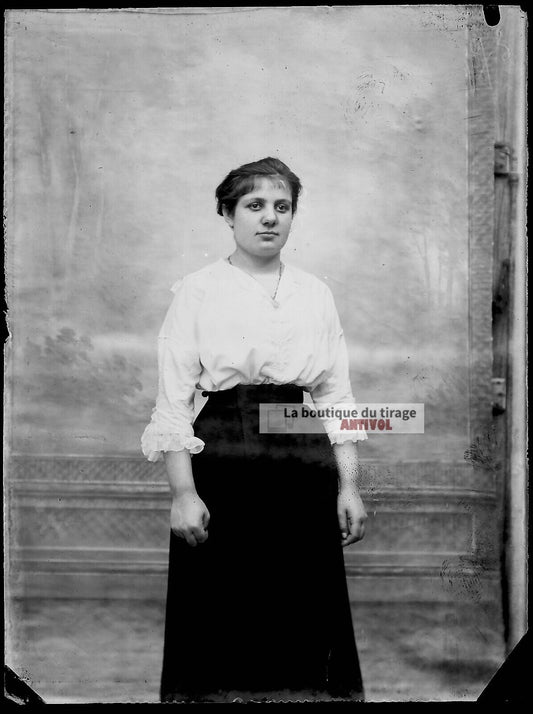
[(126, 123), (121, 125)]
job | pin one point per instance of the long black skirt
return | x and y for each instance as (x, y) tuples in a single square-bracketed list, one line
[(260, 610)]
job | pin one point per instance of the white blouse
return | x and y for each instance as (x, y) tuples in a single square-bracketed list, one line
[(223, 329)]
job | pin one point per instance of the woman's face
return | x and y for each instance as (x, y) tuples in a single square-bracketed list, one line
[(262, 218)]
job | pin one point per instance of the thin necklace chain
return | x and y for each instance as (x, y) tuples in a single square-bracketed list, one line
[(281, 266)]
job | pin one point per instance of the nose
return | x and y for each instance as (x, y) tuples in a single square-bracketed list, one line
[(269, 217)]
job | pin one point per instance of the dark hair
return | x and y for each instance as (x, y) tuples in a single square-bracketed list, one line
[(242, 181)]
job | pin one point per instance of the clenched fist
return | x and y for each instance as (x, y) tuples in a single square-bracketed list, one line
[(189, 518)]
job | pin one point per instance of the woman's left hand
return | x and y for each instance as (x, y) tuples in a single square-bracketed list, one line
[(352, 515)]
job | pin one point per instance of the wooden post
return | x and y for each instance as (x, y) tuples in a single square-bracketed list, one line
[(509, 314)]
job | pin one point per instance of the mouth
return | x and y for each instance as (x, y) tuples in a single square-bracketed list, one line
[(268, 234)]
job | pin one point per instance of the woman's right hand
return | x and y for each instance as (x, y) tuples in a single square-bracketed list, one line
[(189, 518)]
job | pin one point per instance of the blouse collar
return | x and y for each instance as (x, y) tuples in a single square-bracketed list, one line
[(287, 286)]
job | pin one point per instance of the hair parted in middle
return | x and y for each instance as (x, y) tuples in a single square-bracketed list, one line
[(243, 180)]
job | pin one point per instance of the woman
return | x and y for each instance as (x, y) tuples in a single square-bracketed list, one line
[(257, 603)]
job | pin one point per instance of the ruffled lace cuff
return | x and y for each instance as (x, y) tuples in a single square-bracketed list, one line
[(154, 443)]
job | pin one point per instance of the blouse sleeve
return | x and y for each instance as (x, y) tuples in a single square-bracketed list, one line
[(335, 390), (170, 428)]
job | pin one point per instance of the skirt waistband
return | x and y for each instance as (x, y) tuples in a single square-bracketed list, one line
[(256, 393)]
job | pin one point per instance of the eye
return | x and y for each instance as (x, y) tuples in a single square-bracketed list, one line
[(254, 205), (283, 207)]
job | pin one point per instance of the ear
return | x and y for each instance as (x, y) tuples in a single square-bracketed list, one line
[(227, 217)]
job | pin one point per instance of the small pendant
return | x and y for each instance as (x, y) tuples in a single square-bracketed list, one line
[(275, 303)]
